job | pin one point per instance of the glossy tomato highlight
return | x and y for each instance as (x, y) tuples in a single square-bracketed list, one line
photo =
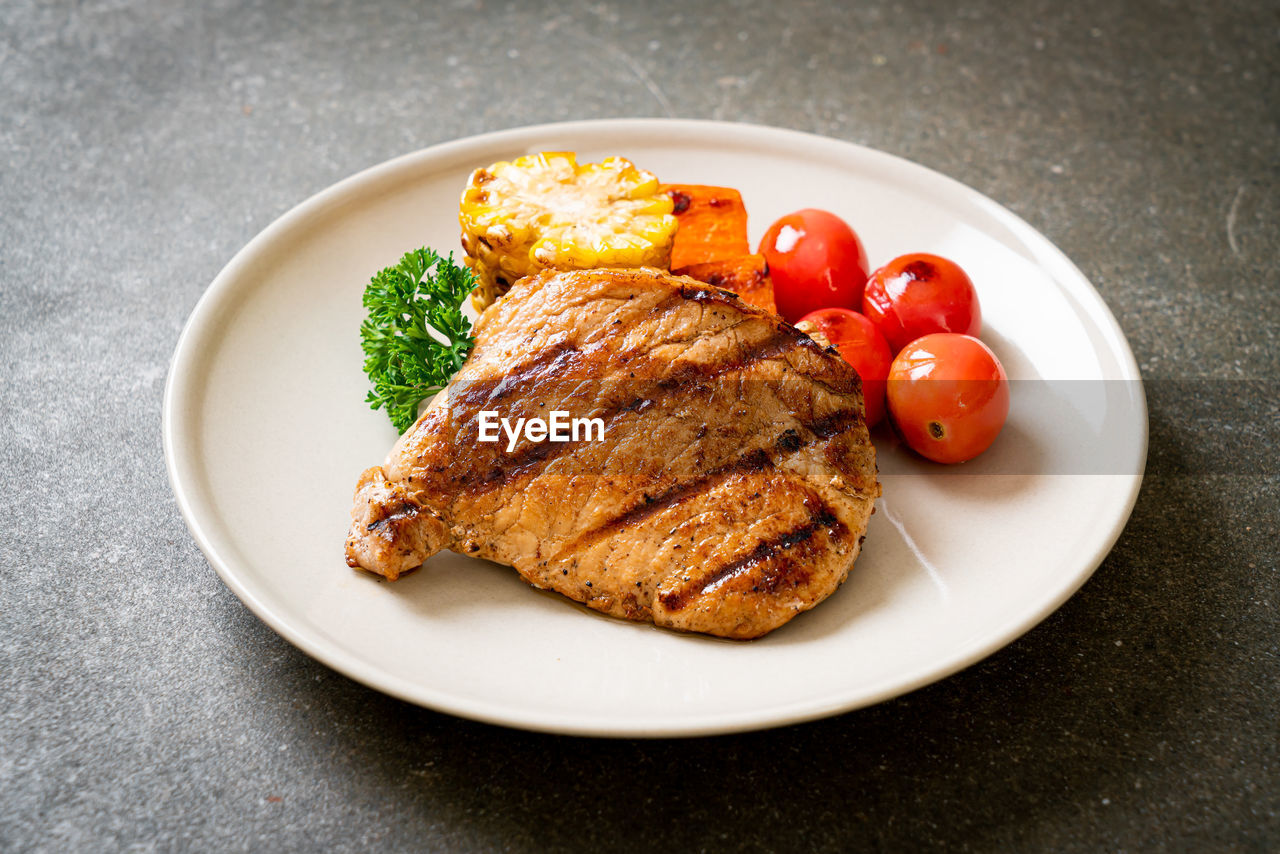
[(948, 397), (816, 261), (919, 294), (861, 346)]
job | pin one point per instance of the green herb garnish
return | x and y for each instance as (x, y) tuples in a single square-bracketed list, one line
[(415, 337)]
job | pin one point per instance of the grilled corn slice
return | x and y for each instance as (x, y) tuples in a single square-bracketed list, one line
[(546, 211)]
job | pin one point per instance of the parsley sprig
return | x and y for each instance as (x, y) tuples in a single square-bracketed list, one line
[(415, 337)]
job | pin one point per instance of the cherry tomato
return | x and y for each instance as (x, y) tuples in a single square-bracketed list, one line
[(948, 396), (919, 294), (815, 261), (861, 346)]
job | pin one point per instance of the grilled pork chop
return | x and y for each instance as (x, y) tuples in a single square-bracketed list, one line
[(731, 490)]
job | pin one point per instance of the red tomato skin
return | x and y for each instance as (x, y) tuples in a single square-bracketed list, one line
[(815, 261), (862, 347), (948, 397), (919, 294)]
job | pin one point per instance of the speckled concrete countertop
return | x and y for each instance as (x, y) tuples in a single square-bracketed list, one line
[(143, 707)]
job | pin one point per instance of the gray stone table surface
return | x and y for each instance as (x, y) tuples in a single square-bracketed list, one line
[(142, 707)]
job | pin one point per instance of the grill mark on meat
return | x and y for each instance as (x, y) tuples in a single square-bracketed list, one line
[(781, 559), (568, 362), (531, 458), (777, 343), (651, 505), (834, 423), (788, 442), (562, 360), (393, 513), (473, 397)]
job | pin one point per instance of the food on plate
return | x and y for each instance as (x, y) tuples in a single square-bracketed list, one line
[(731, 490), (712, 224), (410, 308), (633, 422), (816, 261), (948, 396), (547, 211), (859, 344), (711, 243), (919, 294)]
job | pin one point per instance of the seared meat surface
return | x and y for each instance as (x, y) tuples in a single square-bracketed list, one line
[(731, 490)]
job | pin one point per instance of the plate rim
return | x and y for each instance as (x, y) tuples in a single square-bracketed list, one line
[(178, 437)]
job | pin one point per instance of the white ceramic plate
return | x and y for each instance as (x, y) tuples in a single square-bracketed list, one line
[(266, 432)]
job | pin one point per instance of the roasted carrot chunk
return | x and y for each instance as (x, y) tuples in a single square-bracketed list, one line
[(712, 224), (747, 276)]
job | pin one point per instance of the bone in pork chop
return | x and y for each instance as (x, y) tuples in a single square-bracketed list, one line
[(731, 490)]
